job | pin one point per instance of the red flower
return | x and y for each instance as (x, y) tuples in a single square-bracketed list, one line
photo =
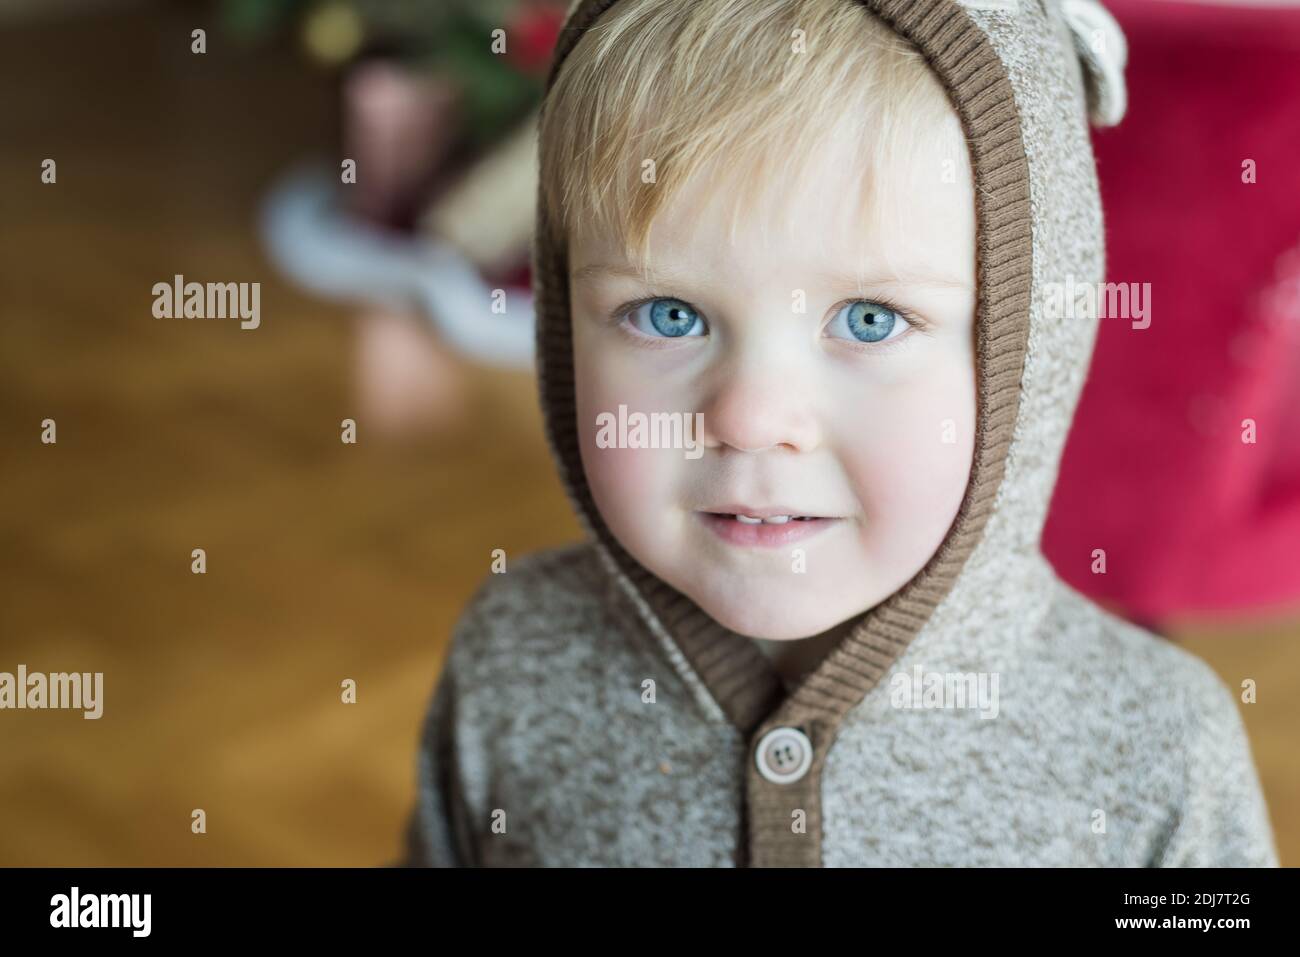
[(531, 37)]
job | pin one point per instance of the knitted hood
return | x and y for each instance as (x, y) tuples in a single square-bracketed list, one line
[(1025, 76)]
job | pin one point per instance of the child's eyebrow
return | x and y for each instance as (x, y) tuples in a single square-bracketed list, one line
[(848, 280), (839, 280), (597, 270)]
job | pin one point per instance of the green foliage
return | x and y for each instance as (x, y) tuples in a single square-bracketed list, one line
[(451, 37)]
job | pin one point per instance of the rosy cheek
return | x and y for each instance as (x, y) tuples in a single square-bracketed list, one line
[(623, 476), (630, 485), (909, 467)]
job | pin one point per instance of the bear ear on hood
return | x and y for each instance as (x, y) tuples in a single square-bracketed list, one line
[(1103, 51)]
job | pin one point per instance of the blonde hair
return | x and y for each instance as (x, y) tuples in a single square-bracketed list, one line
[(736, 89)]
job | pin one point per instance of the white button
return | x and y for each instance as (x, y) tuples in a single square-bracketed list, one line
[(784, 755)]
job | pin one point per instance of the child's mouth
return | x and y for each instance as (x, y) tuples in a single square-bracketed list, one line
[(769, 527)]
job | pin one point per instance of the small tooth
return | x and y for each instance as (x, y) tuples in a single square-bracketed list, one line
[(777, 519), (747, 520)]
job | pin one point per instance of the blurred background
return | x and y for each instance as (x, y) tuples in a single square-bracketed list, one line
[(222, 157)]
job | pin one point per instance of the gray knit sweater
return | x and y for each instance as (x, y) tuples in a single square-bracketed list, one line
[(589, 714)]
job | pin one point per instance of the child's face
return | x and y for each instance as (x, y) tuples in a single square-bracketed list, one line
[(849, 418)]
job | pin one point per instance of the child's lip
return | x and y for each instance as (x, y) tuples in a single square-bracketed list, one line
[(763, 534), (766, 511)]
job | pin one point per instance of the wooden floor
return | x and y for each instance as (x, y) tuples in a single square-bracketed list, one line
[(325, 561)]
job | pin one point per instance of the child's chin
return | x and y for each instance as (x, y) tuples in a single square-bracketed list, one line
[(782, 622)]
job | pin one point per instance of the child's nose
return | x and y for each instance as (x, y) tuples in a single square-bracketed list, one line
[(759, 410)]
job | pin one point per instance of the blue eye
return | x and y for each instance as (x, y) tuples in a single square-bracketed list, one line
[(668, 318), (866, 321)]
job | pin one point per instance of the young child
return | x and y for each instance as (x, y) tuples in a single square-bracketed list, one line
[(819, 631)]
